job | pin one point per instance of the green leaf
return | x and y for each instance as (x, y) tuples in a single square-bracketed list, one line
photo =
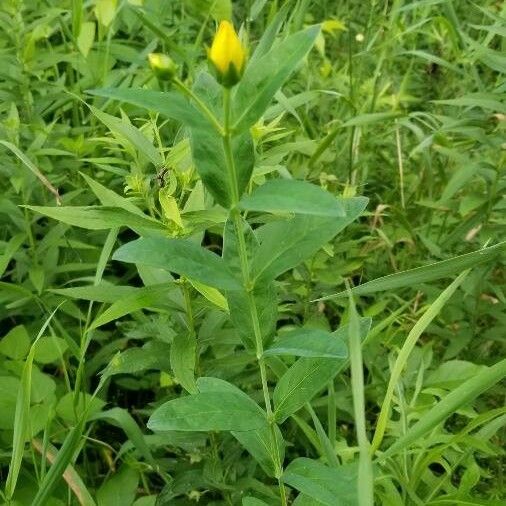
[(109, 198), (50, 349), (183, 360), (292, 196), (332, 486), (181, 256), (98, 217), (265, 76), (257, 442), (16, 343), (132, 135), (148, 296), (153, 355), (172, 105), (308, 376), (308, 343), (253, 501), (102, 292), (207, 146), (209, 158), (437, 270), (460, 396), (286, 243), (207, 412), (120, 489)]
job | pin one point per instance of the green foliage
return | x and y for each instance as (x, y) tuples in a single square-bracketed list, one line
[(288, 292)]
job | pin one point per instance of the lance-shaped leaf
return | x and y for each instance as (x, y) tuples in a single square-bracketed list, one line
[(207, 146), (169, 104), (292, 196), (259, 443), (181, 256), (286, 243), (309, 343), (213, 408), (308, 376), (265, 75), (331, 486)]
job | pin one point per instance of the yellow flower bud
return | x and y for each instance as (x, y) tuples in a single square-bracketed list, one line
[(227, 55), (162, 65)]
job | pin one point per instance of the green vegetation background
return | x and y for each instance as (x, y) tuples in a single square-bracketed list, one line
[(403, 102)]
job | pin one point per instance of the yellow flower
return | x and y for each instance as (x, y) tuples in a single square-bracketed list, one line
[(162, 65), (227, 55)]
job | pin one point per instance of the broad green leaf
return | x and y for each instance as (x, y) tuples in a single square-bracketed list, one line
[(265, 76), (292, 196), (98, 217), (50, 349), (331, 486), (207, 411), (259, 443), (308, 376), (181, 256), (460, 396), (85, 408), (16, 343), (132, 135), (286, 243), (308, 343), (451, 374), (153, 355), (148, 296), (183, 360), (431, 272), (253, 501), (120, 489), (172, 105)]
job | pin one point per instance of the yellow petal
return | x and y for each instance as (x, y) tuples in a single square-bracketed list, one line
[(227, 49)]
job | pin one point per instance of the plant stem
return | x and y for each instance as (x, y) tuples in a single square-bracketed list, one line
[(201, 105), (249, 285)]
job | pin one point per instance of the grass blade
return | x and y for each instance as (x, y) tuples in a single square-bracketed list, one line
[(22, 415), (426, 273), (406, 350), (463, 394)]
